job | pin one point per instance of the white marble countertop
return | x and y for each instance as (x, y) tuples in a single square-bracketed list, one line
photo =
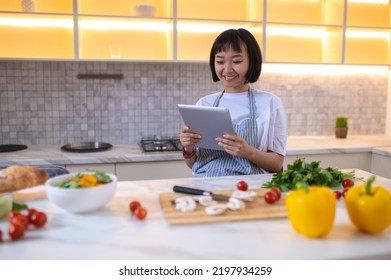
[(111, 232), (297, 145)]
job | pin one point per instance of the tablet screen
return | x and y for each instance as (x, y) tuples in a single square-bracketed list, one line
[(209, 122)]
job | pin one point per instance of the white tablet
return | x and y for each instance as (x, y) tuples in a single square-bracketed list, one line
[(209, 122)]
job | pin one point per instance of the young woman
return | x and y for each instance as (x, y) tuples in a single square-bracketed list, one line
[(259, 117)]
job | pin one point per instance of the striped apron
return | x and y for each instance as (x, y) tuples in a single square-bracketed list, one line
[(211, 163)]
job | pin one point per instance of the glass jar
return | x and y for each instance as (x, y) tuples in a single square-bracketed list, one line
[(5, 204)]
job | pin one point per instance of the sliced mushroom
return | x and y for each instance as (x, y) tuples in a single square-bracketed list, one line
[(235, 204), (215, 209), (205, 200), (185, 204), (244, 195)]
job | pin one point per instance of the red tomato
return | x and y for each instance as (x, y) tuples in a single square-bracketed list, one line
[(242, 186), (134, 205), (270, 197), (277, 191), (338, 194), (140, 213), (30, 212), (38, 219), (16, 216), (347, 183), (16, 230)]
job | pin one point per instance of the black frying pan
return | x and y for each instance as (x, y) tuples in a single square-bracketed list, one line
[(86, 147)]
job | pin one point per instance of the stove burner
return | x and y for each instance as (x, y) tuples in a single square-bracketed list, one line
[(160, 144)]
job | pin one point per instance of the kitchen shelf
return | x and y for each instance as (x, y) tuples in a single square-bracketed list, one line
[(301, 31), (198, 33), (40, 6), (237, 10), (134, 38), (304, 44), (36, 36), (370, 14), (329, 12)]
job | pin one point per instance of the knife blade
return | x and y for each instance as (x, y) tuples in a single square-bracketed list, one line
[(193, 191)]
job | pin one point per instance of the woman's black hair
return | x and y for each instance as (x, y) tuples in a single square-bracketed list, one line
[(235, 38)]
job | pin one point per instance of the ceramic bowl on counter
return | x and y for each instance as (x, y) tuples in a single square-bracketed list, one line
[(80, 199)]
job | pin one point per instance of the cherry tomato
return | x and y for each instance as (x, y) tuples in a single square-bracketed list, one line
[(242, 186), (16, 230), (338, 194), (270, 197), (16, 216), (277, 191), (140, 213), (134, 205), (347, 183), (38, 219), (30, 212)]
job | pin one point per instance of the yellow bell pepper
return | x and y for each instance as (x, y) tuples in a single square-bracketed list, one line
[(311, 210), (369, 208)]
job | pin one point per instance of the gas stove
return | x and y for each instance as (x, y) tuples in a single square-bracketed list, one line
[(160, 144)]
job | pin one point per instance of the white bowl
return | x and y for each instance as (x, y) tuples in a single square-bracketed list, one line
[(81, 199), (144, 10)]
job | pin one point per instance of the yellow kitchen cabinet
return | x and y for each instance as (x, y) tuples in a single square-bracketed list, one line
[(134, 39), (304, 44), (300, 31), (314, 12), (39, 6), (203, 34), (368, 32), (236, 10)]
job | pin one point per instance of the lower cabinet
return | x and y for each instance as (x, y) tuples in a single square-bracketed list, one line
[(152, 170), (147, 170), (107, 167), (381, 165)]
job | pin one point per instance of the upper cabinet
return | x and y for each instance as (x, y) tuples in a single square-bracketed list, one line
[(300, 31)]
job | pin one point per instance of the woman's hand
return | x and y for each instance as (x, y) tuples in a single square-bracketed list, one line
[(234, 145), (188, 139)]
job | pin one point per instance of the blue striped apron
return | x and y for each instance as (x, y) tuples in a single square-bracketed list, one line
[(211, 163)]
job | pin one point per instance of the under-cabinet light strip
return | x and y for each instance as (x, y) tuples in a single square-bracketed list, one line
[(297, 32), (36, 22), (370, 1), (183, 27), (367, 34), (334, 70)]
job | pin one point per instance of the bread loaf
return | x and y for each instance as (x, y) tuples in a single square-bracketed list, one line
[(17, 177)]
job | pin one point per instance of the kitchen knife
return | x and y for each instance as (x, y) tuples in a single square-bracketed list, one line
[(193, 191)]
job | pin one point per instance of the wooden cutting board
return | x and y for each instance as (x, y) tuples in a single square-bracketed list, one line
[(256, 210)]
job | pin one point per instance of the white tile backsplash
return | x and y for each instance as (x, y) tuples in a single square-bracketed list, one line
[(43, 102)]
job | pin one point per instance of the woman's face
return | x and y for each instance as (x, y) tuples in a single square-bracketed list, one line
[(231, 68)]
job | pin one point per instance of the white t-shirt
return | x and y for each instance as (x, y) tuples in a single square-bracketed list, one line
[(269, 113)]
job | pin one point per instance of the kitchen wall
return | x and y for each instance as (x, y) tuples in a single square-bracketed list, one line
[(43, 102)]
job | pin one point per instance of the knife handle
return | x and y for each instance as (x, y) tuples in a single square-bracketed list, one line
[(187, 190)]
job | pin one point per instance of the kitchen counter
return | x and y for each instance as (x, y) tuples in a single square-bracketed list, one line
[(111, 232), (121, 153)]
